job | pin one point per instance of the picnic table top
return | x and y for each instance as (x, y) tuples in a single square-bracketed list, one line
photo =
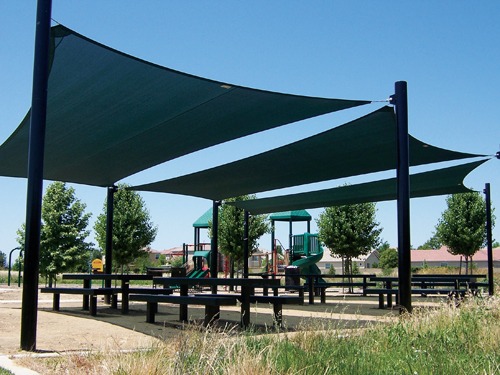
[(257, 282), (430, 277), (105, 276)]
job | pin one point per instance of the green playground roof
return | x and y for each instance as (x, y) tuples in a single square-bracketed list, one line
[(110, 115), (296, 215), (362, 146), (437, 182), (203, 220)]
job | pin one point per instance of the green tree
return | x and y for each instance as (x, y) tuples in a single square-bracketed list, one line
[(388, 259), (383, 246), (3, 259), (63, 245), (133, 230), (231, 229), (432, 243), (462, 225), (349, 231)]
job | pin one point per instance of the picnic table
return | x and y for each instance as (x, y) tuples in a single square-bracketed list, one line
[(318, 282), (426, 284), (124, 286), (211, 301)]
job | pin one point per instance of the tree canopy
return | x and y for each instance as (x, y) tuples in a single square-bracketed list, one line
[(133, 230), (349, 231), (63, 245), (432, 243), (462, 225), (388, 259)]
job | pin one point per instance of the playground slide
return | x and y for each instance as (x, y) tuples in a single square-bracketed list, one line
[(196, 274), (308, 265)]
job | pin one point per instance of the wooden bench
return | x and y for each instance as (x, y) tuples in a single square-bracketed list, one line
[(89, 296), (247, 287), (339, 284), (126, 290), (389, 292), (212, 305), (317, 285), (276, 300)]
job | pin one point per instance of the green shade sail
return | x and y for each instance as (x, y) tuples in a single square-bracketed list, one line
[(111, 115), (437, 182), (362, 146), (295, 215)]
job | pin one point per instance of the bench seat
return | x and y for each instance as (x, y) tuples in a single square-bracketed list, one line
[(89, 300), (276, 301), (421, 291), (212, 304)]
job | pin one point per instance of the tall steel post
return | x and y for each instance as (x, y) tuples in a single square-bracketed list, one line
[(489, 239), (246, 250), (110, 205), (215, 239), (400, 100), (35, 175)]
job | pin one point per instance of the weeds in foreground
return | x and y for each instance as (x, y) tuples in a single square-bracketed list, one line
[(446, 340)]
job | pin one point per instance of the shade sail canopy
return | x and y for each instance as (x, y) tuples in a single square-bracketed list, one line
[(111, 115), (362, 146), (437, 182), (295, 215)]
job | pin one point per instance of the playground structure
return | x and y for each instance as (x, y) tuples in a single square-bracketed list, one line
[(201, 260), (306, 252)]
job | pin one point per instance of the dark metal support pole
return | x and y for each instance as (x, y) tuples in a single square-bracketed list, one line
[(246, 250), (308, 226), (215, 239), (290, 234), (400, 100), (272, 236), (489, 239), (214, 253), (35, 175), (110, 203)]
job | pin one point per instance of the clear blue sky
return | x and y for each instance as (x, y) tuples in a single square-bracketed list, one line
[(447, 51)]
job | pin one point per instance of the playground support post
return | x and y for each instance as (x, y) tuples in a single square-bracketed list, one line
[(400, 101), (246, 250), (215, 242), (35, 175), (489, 239)]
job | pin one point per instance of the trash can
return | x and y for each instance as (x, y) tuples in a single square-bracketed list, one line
[(292, 276)]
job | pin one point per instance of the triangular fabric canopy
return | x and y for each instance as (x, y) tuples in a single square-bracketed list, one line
[(362, 146), (437, 182), (111, 115)]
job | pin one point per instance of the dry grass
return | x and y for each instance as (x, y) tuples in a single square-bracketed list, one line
[(447, 339)]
